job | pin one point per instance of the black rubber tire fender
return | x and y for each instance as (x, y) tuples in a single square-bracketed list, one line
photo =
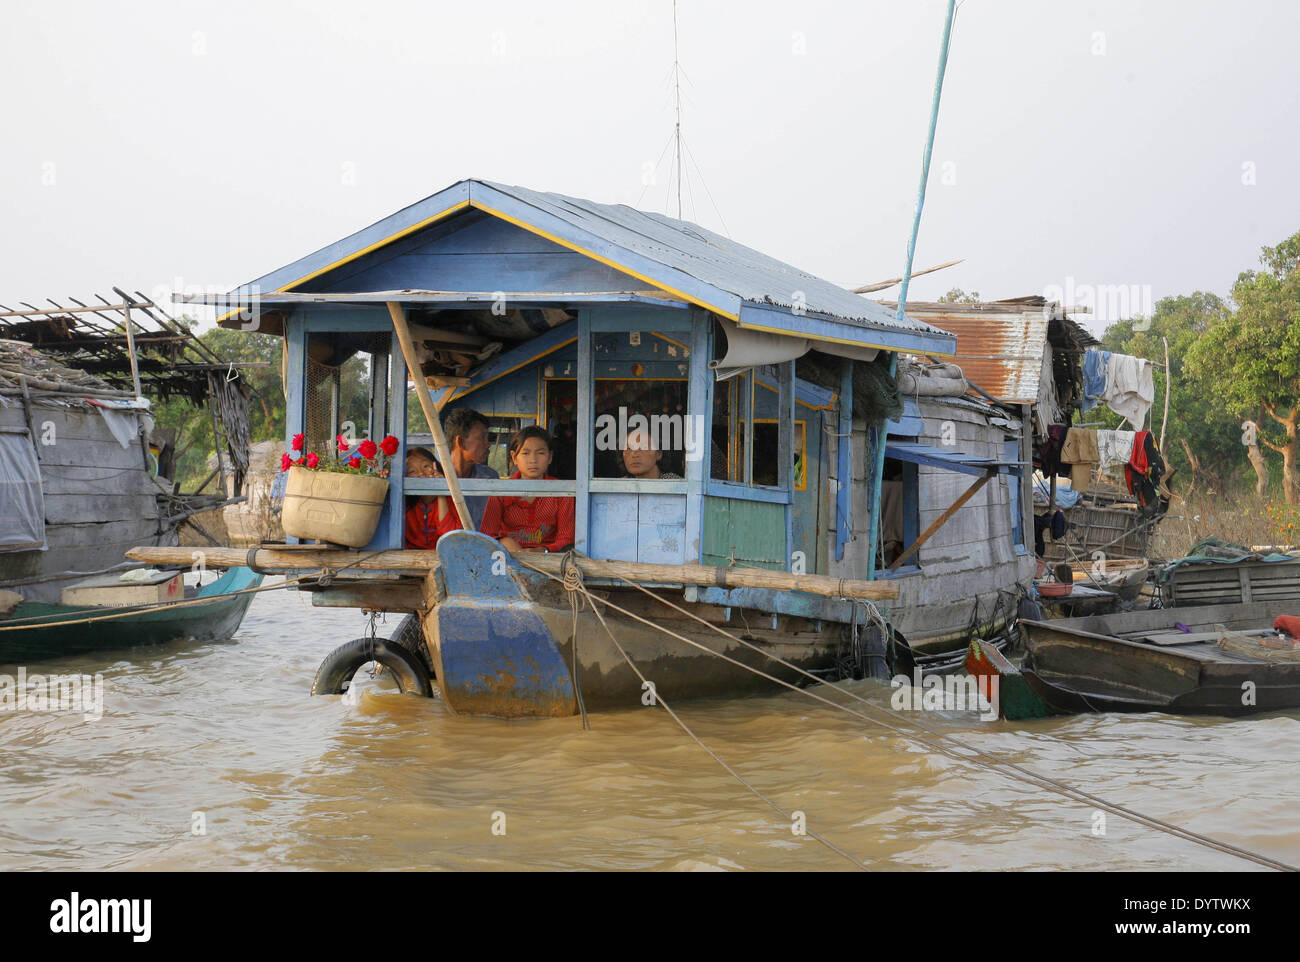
[(336, 671), (410, 635)]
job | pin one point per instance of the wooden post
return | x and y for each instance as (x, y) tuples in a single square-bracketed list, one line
[(27, 414), (130, 341), (844, 461), (430, 413), (1164, 421), (875, 479), (940, 521), (216, 441)]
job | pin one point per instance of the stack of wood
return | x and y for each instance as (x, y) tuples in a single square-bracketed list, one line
[(19, 362)]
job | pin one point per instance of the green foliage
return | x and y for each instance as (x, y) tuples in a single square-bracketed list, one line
[(1249, 360), (958, 296)]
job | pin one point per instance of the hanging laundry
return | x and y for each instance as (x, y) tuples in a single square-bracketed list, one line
[(1130, 388), (1114, 448), (1144, 474), (1049, 454), (1095, 363), (1080, 452), (1066, 497), (1048, 409), (1138, 459)]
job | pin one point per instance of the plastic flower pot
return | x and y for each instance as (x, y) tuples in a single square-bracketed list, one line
[(327, 506)]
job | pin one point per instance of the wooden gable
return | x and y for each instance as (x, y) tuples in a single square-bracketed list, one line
[(473, 251)]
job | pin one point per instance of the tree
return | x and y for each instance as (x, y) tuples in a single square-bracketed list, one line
[(1250, 358), (1202, 436), (958, 296)]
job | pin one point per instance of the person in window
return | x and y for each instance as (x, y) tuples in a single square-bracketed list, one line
[(642, 459), (530, 523), (467, 436), (430, 516)]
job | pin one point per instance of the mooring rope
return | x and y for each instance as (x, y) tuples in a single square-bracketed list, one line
[(977, 756), (572, 580), (573, 584)]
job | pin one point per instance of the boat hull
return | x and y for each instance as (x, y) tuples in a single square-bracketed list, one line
[(502, 643), (64, 631), (1086, 664)]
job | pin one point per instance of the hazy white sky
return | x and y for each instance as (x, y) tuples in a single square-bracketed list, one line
[(156, 145)]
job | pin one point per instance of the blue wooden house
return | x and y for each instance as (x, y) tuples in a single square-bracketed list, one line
[(538, 308)]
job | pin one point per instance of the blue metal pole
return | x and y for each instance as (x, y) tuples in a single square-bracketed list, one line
[(925, 161), (880, 434)]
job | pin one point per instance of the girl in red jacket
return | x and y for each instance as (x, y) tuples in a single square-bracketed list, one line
[(530, 523)]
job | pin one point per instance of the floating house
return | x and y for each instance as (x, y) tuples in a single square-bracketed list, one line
[(84, 474), (778, 395)]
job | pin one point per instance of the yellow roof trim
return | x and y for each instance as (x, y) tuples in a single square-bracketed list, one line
[(832, 340), (365, 250), (603, 260)]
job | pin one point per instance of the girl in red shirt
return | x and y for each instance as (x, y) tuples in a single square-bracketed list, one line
[(530, 523)]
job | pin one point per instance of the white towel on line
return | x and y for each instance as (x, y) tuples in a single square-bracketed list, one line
[(1130, 388), (1115, 447)]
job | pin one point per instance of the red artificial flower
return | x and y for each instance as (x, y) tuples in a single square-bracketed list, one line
[(343, 443), (286, 462), (300, 462), (312, 460), (367, 449), (389, 445), (297, 442), (354, 462)]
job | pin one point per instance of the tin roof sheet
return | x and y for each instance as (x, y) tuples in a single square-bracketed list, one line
[(1000, 343)]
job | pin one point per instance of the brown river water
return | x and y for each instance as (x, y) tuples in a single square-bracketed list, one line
[(288, 781)]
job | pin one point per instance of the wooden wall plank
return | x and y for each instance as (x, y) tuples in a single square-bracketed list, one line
[(661, 528)]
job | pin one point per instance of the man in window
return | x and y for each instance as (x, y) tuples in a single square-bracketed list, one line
[(641, 458), (467, 436)]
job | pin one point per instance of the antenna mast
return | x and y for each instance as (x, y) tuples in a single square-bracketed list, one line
[(677, 88)]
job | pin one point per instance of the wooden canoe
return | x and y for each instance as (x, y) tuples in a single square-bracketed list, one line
[(1145, 661)]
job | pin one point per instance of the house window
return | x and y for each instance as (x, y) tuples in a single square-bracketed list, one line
[(900, 513), (733, 425), (766, 448), (1011, 452), (746, 447), (620, 404)]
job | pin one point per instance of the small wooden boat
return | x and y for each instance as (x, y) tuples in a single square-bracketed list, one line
[(1124, 577), (1016, 700), (54, 630), (1168, 660)]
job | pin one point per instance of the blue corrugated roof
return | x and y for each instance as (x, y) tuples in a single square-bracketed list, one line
[(677, 256), (747, 274)]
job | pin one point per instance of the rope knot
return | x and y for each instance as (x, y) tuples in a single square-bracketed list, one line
[(570, 573)]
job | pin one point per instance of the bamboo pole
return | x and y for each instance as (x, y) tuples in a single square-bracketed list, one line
[(881, 285), (430, 412), (420, 562), (130, 341), (1164, 421)]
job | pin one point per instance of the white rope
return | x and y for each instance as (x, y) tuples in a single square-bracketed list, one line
[(573, 584), (941, 739)]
